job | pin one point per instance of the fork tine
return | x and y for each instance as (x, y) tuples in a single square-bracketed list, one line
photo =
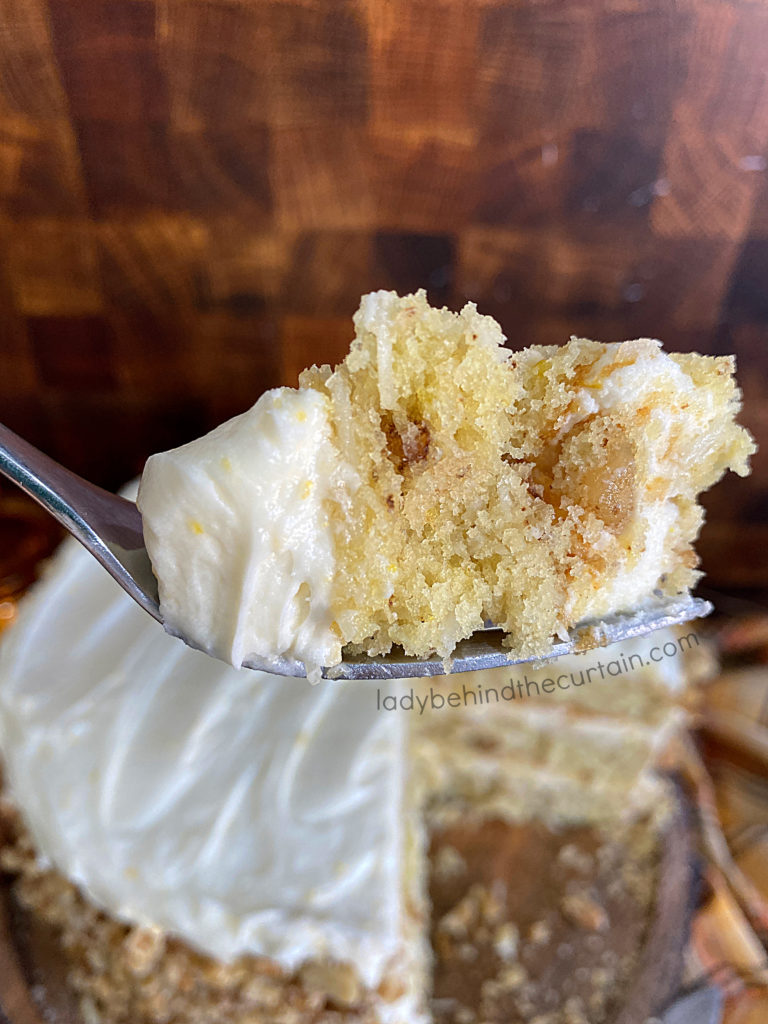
[(484, 648)]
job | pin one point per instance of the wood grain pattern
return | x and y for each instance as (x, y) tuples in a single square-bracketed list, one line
[(194, 193)]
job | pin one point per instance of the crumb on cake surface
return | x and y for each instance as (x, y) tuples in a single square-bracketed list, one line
[(532, 488)]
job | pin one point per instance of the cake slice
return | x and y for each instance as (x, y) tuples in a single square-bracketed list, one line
[(434, 481)]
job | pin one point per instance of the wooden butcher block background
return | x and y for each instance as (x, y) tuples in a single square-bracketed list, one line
[(194, 194)]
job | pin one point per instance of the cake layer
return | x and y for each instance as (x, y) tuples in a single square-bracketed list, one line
[(559, 760)]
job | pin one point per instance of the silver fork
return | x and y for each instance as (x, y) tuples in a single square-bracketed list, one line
[(110, 528)]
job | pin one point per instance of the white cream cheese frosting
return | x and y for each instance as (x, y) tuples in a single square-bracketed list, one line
[(242, 812), (238, 526)]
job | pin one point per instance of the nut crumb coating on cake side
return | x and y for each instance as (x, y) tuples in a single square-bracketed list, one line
[(532, 488)]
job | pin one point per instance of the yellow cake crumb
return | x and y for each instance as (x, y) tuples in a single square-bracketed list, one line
[(533, 489)]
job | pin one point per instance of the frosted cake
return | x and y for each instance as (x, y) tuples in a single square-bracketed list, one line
[(209, 843)]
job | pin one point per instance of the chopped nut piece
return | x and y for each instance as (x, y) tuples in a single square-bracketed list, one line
[(585, 912), (338, 981), (449, 863), (506, 941), (513, 976), (540, 933), (572, 857), (143, 949)]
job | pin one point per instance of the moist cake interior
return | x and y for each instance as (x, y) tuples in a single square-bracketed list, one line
[(532, 489)]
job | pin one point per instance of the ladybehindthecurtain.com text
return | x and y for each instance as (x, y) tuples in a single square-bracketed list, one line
[(521, 689)]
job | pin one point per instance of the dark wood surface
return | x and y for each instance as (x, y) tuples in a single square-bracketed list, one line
[(194, 194)]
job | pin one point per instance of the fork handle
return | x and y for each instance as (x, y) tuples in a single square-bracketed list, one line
[(80, 506)]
